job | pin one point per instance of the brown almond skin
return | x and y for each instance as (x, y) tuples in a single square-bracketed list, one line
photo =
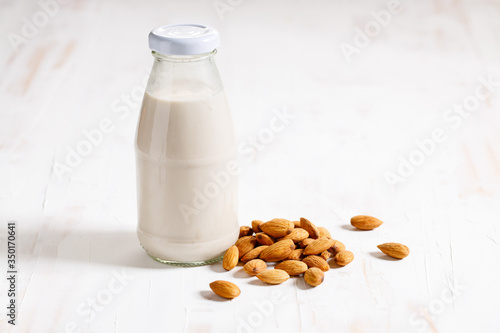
[(245, 231), (245, 244), (277, 227), (253, 254), (264, 238), (336, 247), (306, 242), (296, 224), (255, 266), (315, 261), (292, 267), (256, 225), (310, 228), (319, 245), (278, 251), (225, 289), (273, 276), (323, 232), (314, 276), (365, 222), (296, 255), (297, 235), (325, 255), (395, 250), (344, 258), (242, 239), (230, 258)]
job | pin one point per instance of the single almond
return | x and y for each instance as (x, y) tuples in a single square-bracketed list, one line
[(225, 289), (253, 254), (314, 276), (319, 245), (242, 239), (245, 231), (315, 261), (277, 227), (344, 257), (365, 222), (256, 225), (230, 258), (310, 228), (292, 267), (296, 255), (296, 224), (264, 238), (245, 244), (273, 276), (255, 266), (306, 242), (395, 250), (336, 247), (278, 251), (325, 255), (323, 232), (297, 235)]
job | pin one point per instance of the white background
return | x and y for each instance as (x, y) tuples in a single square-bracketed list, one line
[(353, 123)]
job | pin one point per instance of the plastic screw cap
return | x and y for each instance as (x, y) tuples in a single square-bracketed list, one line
[(184, 39)]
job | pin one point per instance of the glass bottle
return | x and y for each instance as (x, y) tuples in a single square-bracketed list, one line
[(187, 167)]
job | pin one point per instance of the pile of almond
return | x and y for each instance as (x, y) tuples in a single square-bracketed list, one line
[(299, 247)]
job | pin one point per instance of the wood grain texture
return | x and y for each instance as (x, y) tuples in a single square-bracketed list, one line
[(349, 124)]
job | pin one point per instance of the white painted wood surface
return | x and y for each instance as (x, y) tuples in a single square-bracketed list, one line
[(352, 121)]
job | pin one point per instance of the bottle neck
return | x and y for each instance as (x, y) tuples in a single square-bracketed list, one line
[(183, 58), (184, 77)]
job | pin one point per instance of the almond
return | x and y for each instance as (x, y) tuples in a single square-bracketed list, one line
[(314, 276), (230, 258), (315, 261), (344, 257), (336, 247), (253, 254), (365, 222), (243, 239), (264, 239), (245, 244), (255, 266), (276, 227), (245, 231), (306, 242), (309, 227), (325, 255), (273, 276), (225, 289), (323, 232), (319, 245), (296, 255), (278, 251), (297, 235), (256, 225), (296, 224), (395, 250), (292, 267)]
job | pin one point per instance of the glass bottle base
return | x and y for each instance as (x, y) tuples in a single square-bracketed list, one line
[(186, 263)]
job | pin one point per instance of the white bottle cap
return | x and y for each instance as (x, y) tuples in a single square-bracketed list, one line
[(184, 39)]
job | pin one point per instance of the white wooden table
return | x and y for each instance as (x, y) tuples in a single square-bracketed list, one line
[(76, 69)]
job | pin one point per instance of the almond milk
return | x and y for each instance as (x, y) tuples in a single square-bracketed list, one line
[(187, 196)]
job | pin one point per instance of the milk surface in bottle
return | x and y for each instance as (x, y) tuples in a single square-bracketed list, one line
[(187, 189)]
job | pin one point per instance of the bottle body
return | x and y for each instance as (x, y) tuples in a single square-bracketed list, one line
[(187, 187)]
